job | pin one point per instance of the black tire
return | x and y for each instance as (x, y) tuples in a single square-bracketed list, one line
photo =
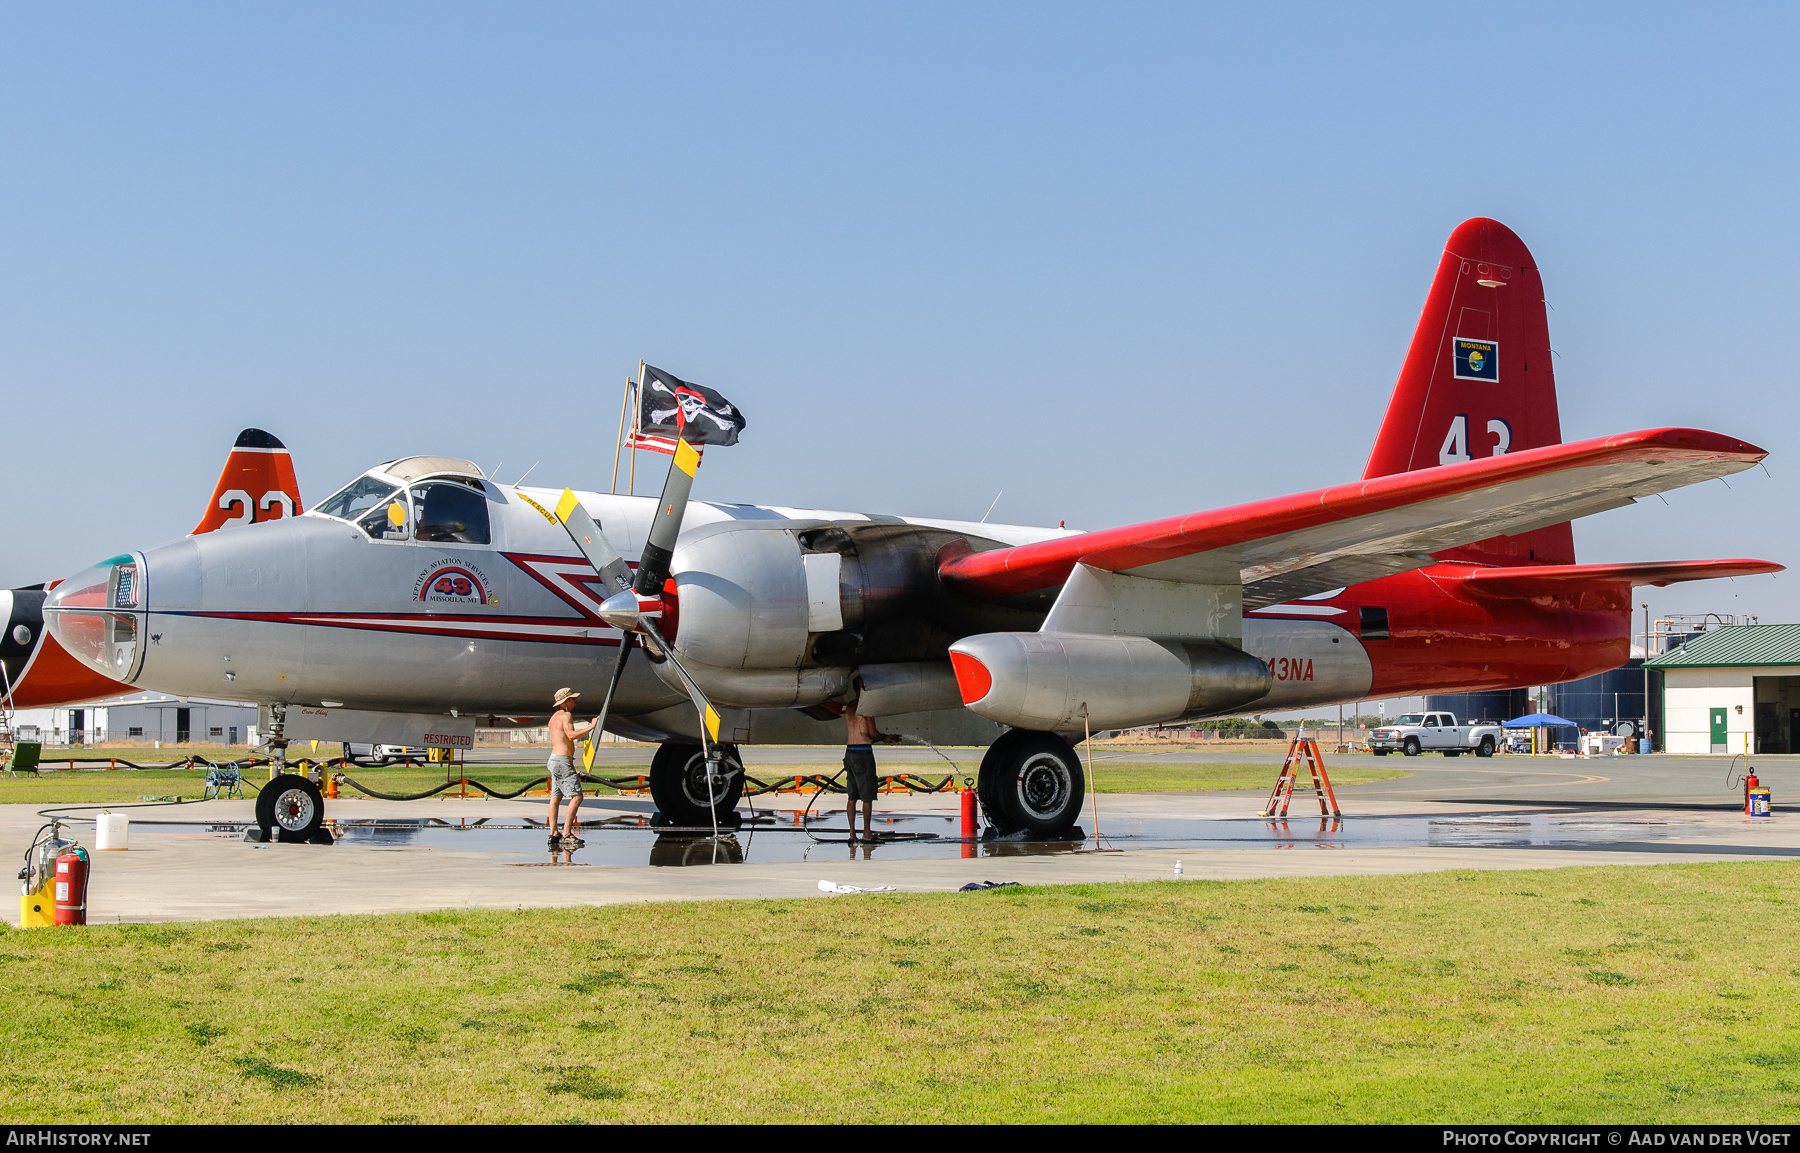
[(1410, 746), (1032, 780), (1379, 752), (678, 784), (1453, 752), (291, 806), (1485, 748)]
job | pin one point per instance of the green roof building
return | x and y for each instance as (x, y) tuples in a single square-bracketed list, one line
[(1734, 689)]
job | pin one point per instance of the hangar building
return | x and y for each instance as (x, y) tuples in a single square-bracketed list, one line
[(146, 718), (1734, 689)]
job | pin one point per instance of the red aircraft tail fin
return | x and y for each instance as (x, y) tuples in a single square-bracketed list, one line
[(258, 484), (1477, 381)]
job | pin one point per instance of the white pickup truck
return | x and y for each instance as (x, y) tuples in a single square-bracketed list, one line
[(1416, 733)]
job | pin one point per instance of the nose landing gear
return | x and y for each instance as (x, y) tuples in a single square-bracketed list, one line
[(292, 808)]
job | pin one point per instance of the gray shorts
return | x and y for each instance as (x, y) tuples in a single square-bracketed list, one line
[(860, 760), (564, 782)]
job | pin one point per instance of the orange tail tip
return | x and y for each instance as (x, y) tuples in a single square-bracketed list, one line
[(1477, 380), (258, 484)]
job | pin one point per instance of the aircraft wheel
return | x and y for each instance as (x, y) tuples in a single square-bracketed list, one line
[(292, 806), (1031, 780), (1486, 748), (678, 783), (1410, 747)]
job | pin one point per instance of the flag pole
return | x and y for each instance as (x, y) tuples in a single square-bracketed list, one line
[(636, 418), (619, 444)]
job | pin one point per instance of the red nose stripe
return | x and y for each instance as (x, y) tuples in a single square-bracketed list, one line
[(972, 677)]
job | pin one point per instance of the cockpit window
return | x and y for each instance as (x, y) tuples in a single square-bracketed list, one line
[(356, 498), (386, 521), (448, 512)]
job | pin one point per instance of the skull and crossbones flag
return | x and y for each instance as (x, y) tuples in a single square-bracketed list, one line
[(671, 408)]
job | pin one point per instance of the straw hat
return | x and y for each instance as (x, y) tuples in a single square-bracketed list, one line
[(565, 694)]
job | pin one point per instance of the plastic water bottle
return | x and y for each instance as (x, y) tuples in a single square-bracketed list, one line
[(1178, 868)]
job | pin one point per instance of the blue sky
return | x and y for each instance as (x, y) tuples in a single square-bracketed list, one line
[(1117, 261)]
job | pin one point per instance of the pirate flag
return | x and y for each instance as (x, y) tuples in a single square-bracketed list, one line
[(675, 409)]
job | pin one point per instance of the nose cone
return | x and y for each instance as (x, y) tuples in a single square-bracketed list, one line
[(97, 614)]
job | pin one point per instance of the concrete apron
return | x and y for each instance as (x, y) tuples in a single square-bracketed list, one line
[(172, 879)]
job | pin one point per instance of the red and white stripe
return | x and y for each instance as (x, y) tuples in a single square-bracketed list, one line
[(650, 442)]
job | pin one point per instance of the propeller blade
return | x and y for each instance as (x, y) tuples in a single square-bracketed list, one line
[(593, 543), (709, 717), (659, 548), (626, 644)]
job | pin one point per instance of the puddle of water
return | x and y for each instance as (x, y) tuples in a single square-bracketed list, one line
[(778, 836)]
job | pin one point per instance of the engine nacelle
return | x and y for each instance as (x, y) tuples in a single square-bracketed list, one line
[(1059, 681), (783, 613), (742, 591)]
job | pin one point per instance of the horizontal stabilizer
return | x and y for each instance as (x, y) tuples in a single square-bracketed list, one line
[(1545, 580), (1387, 523)]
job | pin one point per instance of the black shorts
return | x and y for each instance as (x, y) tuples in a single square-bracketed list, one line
[(860, 761)]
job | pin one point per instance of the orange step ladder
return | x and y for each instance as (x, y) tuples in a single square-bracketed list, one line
[(1302, 751)]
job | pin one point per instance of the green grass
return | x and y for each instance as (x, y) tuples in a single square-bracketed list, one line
[(94, 786), (1649, 994), (1166, 777)]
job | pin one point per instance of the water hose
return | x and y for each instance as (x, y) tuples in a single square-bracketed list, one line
[(620, 783)]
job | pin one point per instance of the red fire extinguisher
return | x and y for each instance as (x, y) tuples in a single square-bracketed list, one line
[(1750, 782), (71, 887), (968, 821)]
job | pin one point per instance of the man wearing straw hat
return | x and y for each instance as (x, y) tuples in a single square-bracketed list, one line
[(564, 781)]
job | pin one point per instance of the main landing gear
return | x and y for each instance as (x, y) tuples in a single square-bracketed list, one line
[(683, 793), (1031, 781)]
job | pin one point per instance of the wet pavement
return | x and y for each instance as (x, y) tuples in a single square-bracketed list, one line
[(189, 861), (780, 836)]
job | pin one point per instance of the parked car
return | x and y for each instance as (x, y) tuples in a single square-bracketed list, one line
[(381, 754), (1415, 733)]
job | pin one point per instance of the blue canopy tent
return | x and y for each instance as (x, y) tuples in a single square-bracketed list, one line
[(1540, 721)]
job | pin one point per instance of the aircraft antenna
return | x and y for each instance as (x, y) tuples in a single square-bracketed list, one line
[(990, 511)]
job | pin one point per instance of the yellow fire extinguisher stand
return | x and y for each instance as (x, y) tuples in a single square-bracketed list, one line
[(37, 903)]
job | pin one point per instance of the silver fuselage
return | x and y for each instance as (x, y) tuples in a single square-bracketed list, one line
[(315, 609)]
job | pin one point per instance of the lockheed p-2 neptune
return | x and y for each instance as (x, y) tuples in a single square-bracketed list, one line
[(424, 587)]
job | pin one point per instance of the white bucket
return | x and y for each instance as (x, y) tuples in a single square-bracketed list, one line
[(112, 831)]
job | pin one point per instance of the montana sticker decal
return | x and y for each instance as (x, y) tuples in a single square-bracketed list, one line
[(1477, 360)]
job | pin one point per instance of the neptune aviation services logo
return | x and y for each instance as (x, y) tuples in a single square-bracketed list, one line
[(450, 581), (1477, 360)]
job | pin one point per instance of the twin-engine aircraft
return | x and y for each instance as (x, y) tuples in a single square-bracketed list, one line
[(425, 587), (256, 485)]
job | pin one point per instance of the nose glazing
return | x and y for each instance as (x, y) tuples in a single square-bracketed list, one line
[(97, 613)]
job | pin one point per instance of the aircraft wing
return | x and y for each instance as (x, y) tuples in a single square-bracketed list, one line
[(1314, 541)]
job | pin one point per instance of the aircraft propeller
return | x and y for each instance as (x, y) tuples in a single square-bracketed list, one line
[(637, 607)]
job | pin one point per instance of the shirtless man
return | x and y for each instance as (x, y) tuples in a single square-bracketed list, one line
[(859, 762), (564, 781)]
